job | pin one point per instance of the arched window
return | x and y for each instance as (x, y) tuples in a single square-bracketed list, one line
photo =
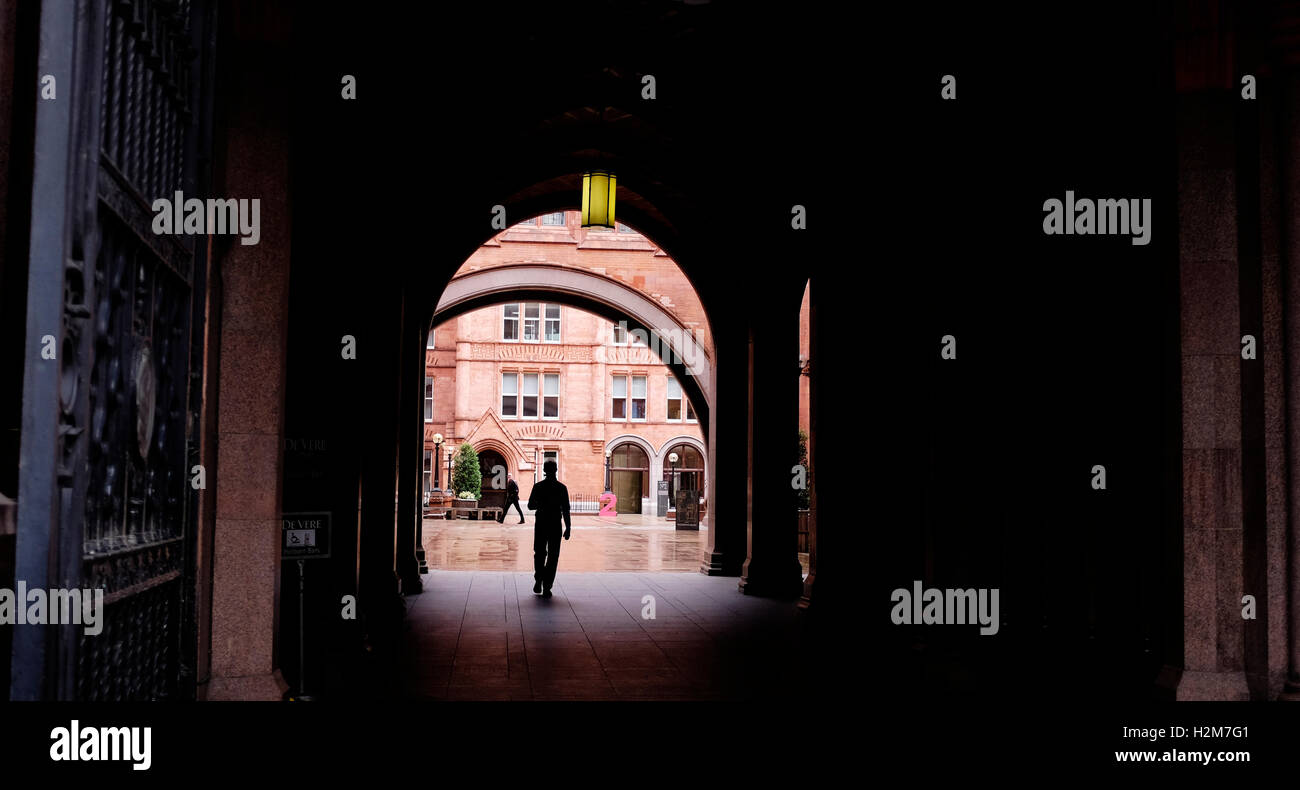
[(687, 473)]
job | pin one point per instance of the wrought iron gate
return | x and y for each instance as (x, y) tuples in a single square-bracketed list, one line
[(127, 388)]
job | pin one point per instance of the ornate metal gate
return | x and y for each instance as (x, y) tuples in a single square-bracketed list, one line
[(127, 388)]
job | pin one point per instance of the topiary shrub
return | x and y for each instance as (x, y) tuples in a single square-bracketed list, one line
[(465, 476)]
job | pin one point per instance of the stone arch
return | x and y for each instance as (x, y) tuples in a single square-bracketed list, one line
[(690, 361), (684, 439), (623, 438)]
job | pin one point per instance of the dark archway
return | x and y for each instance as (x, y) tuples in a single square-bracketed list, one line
[(489, 462)]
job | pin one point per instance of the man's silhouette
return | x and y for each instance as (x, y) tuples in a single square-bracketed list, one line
[(512, 498), (551, 501)]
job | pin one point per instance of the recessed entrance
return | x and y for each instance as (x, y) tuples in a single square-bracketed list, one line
[(630, 471)]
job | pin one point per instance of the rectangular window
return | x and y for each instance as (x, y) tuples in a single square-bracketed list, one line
[(638, 397), (551, 396), (428, 471), (530, 397), (620, 334), (552, 323), (674, 400), (429, 342), (556, 218), (690, 411), (428, 398), (510, 323), (528, 223), (552, 455), (509, 394), (532, 321), (618, 395)]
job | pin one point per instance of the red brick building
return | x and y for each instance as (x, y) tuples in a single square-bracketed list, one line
[(530, 381)]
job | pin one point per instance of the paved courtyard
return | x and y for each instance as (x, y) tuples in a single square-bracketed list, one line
[(630, 543), (484, 635)]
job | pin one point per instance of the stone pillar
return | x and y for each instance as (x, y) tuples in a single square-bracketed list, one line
[(379, 358), (410, 444), (1289, 167), (724, 552), (1213, 637), (250, 415), (772, 422), (1271, 572)]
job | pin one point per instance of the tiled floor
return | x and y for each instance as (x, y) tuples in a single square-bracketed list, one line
[(484, 636)]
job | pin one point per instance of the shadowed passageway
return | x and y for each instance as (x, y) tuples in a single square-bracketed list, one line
[(484, 636)]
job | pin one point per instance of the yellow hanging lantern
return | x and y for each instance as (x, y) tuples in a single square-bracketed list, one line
[(598, 198)]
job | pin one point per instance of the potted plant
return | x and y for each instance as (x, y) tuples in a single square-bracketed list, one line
[(466, 479)]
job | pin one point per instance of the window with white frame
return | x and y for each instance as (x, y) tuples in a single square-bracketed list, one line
[(428, 470), (678, 403), (550, 396), (429, 343), (428, 398), (618, 397), (510, 394), (528, 223), (554, 218), (529, 395), (552, 455), (552, 312), (638, 398), (531, 322), (510, 323), (674, 400), (625, 337)]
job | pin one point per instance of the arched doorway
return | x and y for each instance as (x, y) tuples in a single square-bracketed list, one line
[(491, 496), (630, 471)]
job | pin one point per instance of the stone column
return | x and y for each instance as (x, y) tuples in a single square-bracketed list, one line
[(410, 444), (1268, 576), (250, 415), (1289, 167), (379, 352), (1213, 636), (772, 564), (724, 552)]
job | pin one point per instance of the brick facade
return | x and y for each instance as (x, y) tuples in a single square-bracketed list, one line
[(470, 354)]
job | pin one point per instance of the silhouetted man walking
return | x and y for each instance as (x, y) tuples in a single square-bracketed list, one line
[(550, 499), (512, 498)]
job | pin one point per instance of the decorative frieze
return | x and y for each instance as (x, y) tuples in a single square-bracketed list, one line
[(541, 430), (530, 352)]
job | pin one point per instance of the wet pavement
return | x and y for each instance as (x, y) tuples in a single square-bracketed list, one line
[(485, 636)]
